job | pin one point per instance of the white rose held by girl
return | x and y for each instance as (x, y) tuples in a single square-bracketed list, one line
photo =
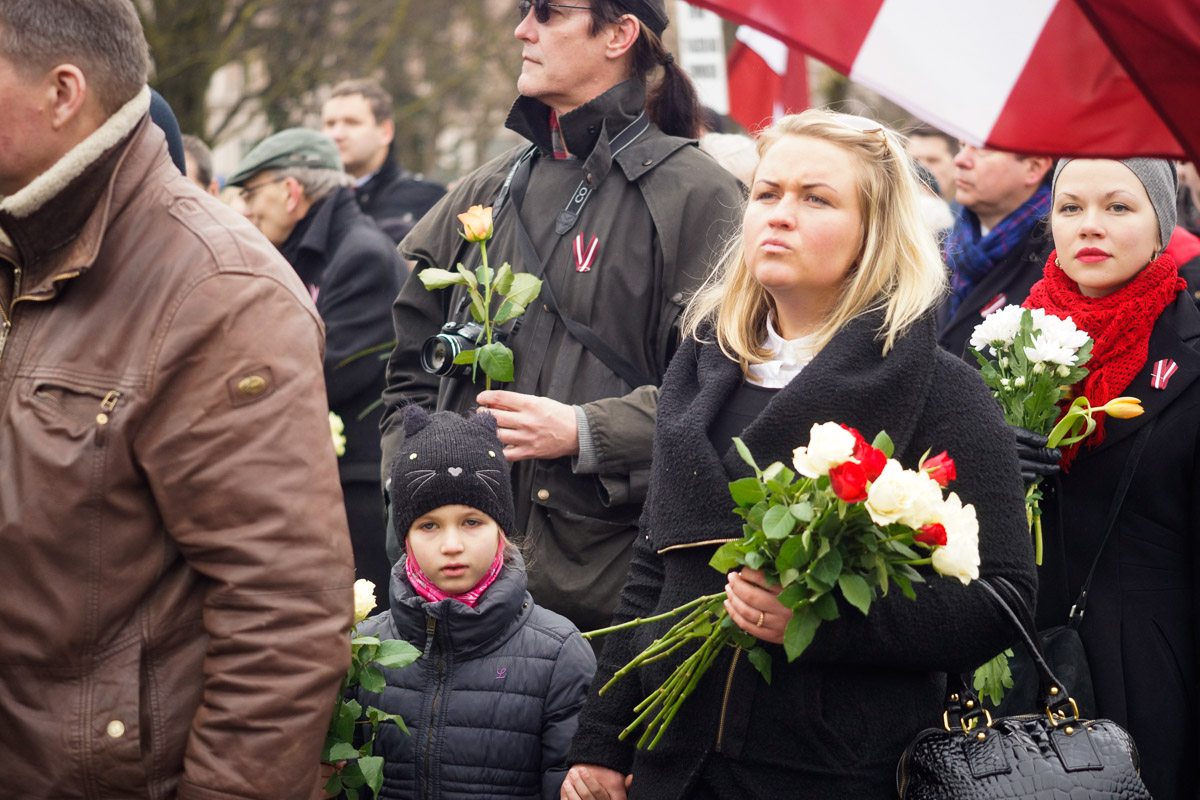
[(364, 599), (829, 445)]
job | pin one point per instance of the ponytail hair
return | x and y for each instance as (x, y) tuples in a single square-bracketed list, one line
[(671, 102)]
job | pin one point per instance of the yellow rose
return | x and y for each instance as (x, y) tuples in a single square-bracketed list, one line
[(477, 223), (364, 599), (1123, 407)]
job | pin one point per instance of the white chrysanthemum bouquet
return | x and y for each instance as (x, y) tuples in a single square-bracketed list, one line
[(1033, 361), (849, 521), (1036, 359)]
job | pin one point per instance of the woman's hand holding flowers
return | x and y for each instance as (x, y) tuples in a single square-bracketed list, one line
[(751, 600)]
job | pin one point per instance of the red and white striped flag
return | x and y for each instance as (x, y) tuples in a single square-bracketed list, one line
[(1163, 370), (1081, 77), (767, 79)]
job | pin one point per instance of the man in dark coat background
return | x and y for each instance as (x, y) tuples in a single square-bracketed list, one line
[(359, 118), (1000, 241), (296, 194)]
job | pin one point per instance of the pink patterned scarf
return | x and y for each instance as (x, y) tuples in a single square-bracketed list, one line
[(428, 590)]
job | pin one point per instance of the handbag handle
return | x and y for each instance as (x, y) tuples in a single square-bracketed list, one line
[(1052, 693)]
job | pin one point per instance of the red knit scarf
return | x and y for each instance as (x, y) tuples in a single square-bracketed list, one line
[(1120, 325)]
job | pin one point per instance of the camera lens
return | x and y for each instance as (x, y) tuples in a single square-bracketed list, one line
[(438, 352)]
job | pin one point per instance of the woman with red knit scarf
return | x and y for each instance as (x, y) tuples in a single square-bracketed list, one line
[(1111, 221)]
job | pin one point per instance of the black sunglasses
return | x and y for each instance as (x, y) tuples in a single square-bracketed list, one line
[(541, 9)]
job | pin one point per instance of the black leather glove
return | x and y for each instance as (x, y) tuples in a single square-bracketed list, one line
[(1037, 460)]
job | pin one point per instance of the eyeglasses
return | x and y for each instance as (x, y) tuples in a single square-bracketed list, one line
[(248, 191), (541, 9)]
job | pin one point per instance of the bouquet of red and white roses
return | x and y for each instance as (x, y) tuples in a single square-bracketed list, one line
[(848, 521)]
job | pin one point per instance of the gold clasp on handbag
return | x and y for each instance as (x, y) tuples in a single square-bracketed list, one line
[(1061, 716), (967, 725)]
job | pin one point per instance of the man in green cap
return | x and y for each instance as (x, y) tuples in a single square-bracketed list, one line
[(625, 216), (297, 194)]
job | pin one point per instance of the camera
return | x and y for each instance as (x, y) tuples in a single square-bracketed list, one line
[(438, 352)]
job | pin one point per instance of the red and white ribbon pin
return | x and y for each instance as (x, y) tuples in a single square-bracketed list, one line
[(585, 256), (1163, 370), (995, 304)]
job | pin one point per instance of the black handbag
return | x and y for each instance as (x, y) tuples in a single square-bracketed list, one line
[(1049, 754), (1061, 646)]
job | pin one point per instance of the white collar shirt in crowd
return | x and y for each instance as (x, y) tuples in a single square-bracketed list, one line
[(789, 357)]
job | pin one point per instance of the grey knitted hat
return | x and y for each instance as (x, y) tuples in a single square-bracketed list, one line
[(1159, 178), (448, 460)]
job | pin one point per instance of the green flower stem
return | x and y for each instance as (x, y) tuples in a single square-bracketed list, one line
[(708, 653), (633, 623), (487, 306), (916, 562), (665, 643)]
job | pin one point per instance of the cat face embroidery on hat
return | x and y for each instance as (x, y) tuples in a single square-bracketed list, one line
[(449, 460)]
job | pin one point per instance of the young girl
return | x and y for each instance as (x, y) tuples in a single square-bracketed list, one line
[(491, 705)]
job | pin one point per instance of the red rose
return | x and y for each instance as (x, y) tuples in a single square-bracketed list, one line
[(872, 459), (940, 468), (858, 437), (933, 535), (849, 482)]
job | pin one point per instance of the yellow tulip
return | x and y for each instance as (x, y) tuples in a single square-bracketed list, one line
[(477, 223), (1123, 407)]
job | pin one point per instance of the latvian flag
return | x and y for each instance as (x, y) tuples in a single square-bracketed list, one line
[(1163, 370), (1031, 76)]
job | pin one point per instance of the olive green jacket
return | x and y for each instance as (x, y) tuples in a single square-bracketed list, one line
[(658, 212)]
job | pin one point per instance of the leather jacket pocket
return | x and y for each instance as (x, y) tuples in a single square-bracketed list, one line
[(114, 723), (78, 410)]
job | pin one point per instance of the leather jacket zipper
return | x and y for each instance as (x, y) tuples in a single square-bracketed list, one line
[(725, 700), (6, 315)]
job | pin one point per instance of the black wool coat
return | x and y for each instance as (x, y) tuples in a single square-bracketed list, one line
[(353, 273), (492, 702), (1142, 623), (1007, 284), (397, 199), (834, 723)]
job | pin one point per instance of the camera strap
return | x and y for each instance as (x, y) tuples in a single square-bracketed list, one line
[(515, 185)]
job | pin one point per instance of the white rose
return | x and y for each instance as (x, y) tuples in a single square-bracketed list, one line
[(960, 557), (364, 599), (900, 495), (829, 444)]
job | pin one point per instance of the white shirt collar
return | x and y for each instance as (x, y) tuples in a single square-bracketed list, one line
[(788, 358)]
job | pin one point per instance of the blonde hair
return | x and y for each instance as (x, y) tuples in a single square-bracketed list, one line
[(898, 267)]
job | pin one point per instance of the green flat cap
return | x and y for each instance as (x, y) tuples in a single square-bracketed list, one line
[(294, 147)]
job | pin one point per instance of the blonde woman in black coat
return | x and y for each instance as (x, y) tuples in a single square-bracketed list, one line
[(821, 312), (1111, 221)]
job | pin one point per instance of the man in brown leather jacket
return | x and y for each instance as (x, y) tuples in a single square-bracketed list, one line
[(175, 570)]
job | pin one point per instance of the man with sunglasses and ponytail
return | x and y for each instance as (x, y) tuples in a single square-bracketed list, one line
[(622, 217)]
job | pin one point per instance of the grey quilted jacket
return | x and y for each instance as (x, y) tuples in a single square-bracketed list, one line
[(492, 703)]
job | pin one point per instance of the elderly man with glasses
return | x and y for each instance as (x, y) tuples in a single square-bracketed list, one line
[(297, 194), (624, 216)]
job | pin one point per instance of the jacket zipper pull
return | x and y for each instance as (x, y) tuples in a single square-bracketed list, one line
[(430, 628), (107, 405)]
